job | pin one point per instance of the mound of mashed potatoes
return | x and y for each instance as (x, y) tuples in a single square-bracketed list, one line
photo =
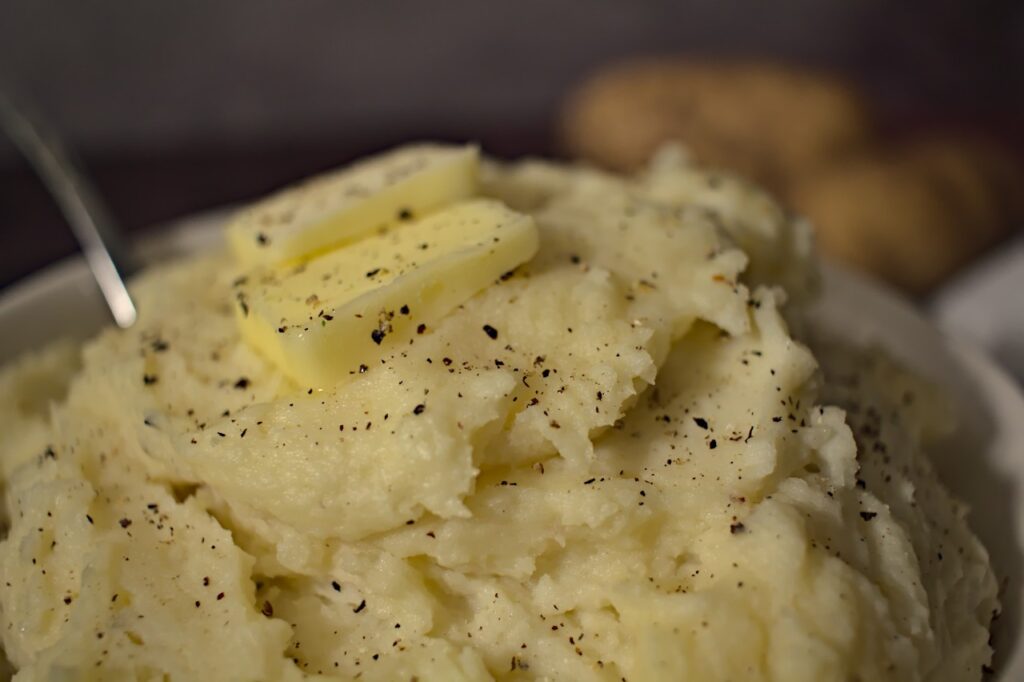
[(614, 463)]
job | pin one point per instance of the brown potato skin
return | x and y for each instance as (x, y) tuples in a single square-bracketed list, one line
[(765, 121), (914, 214)]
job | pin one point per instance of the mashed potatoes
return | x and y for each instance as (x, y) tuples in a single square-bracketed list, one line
[(613, 464)]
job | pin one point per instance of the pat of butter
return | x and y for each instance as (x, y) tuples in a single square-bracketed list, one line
[(335, 315), (332, 209)]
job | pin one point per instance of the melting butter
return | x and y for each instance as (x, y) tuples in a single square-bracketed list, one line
[(333, 316), (330, 210)]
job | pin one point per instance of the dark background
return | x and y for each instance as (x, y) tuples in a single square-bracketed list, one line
[(179, 106)]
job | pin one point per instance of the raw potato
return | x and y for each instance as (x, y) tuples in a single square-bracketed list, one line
[(615, 462), (766, 121), (917, 214)]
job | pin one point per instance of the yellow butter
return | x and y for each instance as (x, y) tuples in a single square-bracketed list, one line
[(334, 316), (332, 209)]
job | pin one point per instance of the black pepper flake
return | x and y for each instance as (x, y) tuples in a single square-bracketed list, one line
[(589, 481), (405, 214), (336, 585), (67, 600), (206, 581), (701, 422), (88, 518), (242, 384), (220, 595), (262, 239), (49, 453), (125, 522), (267, 610), (373, 273), (713, 444), (404, 310), (419, 409), (446, 361), (737, 528), (421, 328), (867, 516), (159, 346), (362, 369), (358, 609), (490, 331), (149, 379), (377, 336)]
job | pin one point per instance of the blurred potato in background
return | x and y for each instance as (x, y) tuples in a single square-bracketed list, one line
[(763, 120), (911, 212), (916, 213)]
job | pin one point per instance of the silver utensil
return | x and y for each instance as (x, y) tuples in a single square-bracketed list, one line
[(77, 199)]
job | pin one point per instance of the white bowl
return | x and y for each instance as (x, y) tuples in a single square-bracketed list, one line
[(983, 464)]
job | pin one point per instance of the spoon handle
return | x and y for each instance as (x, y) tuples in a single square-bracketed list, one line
[(78, 201)]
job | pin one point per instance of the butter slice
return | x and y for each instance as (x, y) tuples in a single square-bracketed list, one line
[(338, 207), (336, 315)]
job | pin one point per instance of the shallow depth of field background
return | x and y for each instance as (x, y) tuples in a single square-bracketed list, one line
[(180, 106)]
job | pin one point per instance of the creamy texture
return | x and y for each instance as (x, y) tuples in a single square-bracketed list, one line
[(614, 463)]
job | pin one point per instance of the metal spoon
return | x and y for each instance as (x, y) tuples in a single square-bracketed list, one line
[(88, 217)]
